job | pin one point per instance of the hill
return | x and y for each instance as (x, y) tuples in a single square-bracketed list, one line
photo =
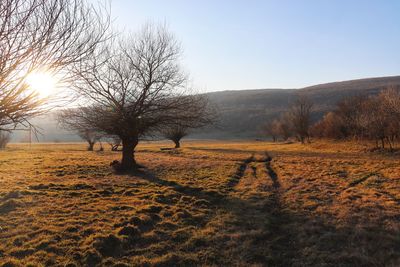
[(242, 112)]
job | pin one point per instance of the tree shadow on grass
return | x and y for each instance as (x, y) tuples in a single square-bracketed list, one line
[(264, 241), (223, 150), (214, 197), (260, 231), (272, 235)]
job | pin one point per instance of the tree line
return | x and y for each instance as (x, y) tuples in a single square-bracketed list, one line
[(375, 118), (361, 117)]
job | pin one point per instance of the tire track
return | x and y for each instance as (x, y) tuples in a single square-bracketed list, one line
[(283, 238), (271, 173), (233, 181)]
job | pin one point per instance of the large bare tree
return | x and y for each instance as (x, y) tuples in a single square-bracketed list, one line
[(135, 86), (41, 35)]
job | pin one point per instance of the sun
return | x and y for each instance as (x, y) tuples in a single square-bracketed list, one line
[(42, 82)]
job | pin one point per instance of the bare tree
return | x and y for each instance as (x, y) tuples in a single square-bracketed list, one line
[(114, 142), (278, 128), (4, 139), (200, 114), (350, 112), (269, 129), (136, 86), (75, 119), (300, 117), (380, 120), (272, 129), (92, 137), (41, 35), (285, 126), (391, 99), (175, 133)]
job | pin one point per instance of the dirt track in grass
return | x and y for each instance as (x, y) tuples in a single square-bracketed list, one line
[(210, 203)]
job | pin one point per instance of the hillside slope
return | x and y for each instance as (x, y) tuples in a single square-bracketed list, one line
[(242, 112)]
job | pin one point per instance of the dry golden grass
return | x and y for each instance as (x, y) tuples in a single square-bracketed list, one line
[(210, 203)]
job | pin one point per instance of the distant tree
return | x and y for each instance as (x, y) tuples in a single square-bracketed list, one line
[(4, 139), (375, 117), (300, 117), (90, 136), (271, 128), (278, 128), (350, 112), (135, 86), (114, 142), (175, 133), (200, 114), (40, 35), (275, 129), (391, 104), (75, 119), (285, 127), (380, 119), (391, 99), (265, 129), (331, 126)]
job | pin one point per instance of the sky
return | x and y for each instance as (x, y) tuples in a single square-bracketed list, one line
[(231, 45)]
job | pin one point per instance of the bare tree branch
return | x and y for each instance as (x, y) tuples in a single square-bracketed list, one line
[(47, 35)]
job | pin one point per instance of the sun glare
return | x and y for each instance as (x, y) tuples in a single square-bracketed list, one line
[(42, 82)]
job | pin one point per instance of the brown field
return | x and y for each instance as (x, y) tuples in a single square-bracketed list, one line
[(210, 203)]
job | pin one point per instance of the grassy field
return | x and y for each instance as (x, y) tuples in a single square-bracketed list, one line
[(210, 203)]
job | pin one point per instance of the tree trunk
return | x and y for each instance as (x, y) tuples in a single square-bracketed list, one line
[(390, 144), (101, 147), (91, 145), (177, 143), (128, 157)]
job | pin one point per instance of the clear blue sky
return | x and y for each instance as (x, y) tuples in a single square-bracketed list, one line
[(232, 45)]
